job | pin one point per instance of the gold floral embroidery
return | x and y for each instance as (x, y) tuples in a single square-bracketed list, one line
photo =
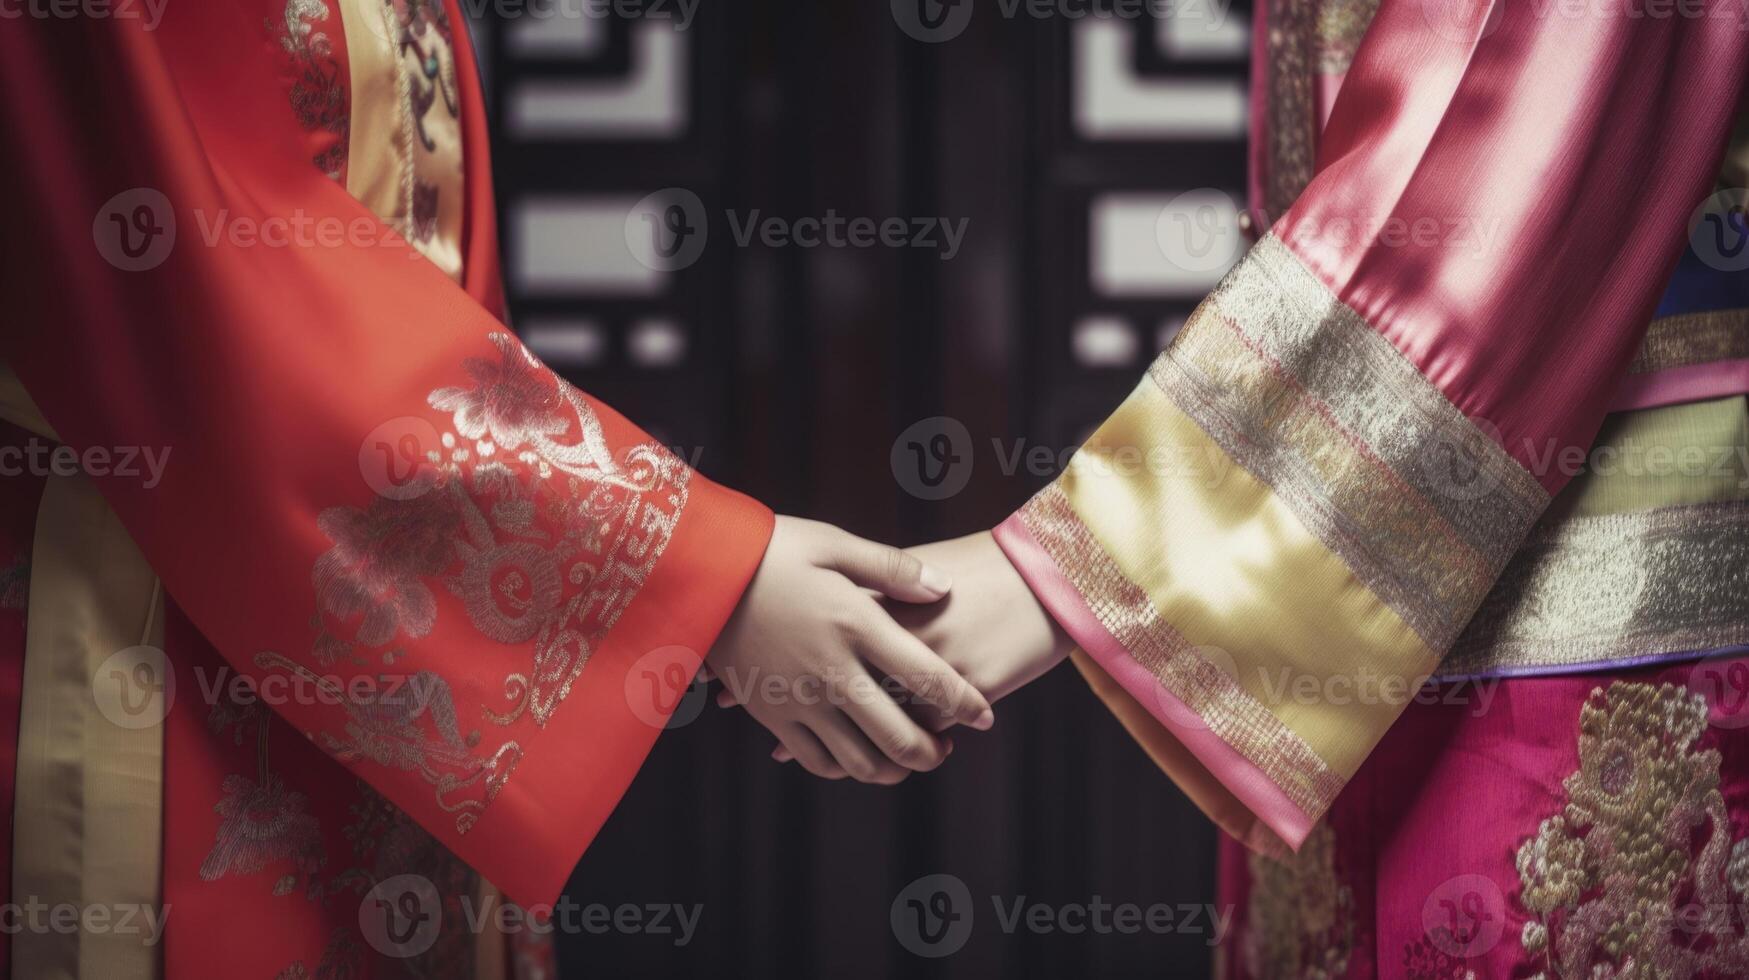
[(1423, 959), (1613, 881), (318, 95), (1300, 917), (542, 531)]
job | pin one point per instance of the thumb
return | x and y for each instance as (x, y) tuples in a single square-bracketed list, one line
[(892, 572)]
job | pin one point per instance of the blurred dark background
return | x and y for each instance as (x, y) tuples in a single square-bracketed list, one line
[(789, 372)]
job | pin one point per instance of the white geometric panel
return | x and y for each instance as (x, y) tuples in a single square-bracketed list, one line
[(1110, 102), (577, 246), (1203, 29), (574, 343), (1103, 341), (656, 343), (1125, 254), (649, 103), (572, 28)]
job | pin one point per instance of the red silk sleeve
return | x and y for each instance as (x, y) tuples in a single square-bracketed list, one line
[(475, 586)]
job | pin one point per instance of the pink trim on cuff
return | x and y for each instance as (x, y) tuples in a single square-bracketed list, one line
[(1692, 383), (1067, 606)]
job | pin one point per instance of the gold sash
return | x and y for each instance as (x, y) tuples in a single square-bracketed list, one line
[(88, 811)]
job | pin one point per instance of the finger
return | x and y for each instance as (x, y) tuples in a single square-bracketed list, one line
[(726, 698), (892, 649), (890, 571), (895, 733), (706, 674), (932, 719), (855, 753), (806, 748)]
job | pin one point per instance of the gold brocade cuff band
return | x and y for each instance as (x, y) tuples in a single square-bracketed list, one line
[(1273, 540)]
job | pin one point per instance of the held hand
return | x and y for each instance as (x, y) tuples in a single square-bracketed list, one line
[(992, 630), (795, 651)]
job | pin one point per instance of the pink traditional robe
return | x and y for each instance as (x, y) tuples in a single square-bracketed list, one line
[(1458, 677)]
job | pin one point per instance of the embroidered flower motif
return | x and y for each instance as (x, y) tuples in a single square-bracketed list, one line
[(1300, 919), (1614, 881), (511, 591), (542, 532), (379, 560), (1424, 960), (318, 96), (511, 400), (260, 824)]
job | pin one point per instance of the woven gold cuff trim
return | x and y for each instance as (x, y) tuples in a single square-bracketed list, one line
[(1588, 590), (1303, 393), (1687, 339), (1126, 612)]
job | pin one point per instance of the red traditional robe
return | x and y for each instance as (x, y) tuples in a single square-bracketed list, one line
[(401, 602), (1456, 657)]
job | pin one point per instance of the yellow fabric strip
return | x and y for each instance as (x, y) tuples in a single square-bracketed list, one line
[(87, 824), (405, 161), (1229, 566), (1662, 457), (89, 794)]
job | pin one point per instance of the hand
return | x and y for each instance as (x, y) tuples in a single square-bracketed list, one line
[(992, 629), (798, 649)]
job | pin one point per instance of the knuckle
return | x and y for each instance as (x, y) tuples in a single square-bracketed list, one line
[(910, 751), (902, 566), (932, 687)]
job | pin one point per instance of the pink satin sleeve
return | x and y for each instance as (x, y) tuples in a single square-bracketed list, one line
[(1541, 177)]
